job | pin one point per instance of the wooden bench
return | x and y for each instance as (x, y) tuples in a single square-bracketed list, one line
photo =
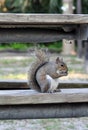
[(37, 28), (26, 104)]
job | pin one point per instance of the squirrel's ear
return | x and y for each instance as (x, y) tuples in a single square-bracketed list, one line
[(61, 59), (57, 60)]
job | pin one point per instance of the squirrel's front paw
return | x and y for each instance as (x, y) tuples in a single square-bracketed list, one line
[(50, 91), (54, 91), (57, 90)]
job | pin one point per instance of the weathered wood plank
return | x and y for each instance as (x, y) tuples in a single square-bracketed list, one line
[(39, 111), (37, 28), (33, 35), (13, 84), (12, 97), (73, 84), (22, 84), (8, 18)]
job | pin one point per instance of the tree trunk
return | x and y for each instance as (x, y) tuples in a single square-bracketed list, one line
[(68, 9)]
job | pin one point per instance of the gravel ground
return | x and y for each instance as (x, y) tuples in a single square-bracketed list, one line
[(15, 65), (45, 124)]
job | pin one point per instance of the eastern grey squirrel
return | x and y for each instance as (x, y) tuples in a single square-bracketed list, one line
[(43, 72)]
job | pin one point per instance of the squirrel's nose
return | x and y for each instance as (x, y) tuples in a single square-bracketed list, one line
[(66, 72)]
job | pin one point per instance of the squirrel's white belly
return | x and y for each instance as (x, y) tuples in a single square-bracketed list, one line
[(53, 82)]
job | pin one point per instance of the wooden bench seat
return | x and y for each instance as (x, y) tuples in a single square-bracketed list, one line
[(42, 19), (12, 97), (28, 104)]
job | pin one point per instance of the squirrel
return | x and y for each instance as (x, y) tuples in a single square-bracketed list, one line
[(43, 73)]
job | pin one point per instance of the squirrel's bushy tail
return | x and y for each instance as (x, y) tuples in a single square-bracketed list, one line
[(41, 58)]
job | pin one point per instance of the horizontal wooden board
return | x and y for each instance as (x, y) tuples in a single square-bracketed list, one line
[(33, 35), (12, 97), (8, 18), (43, 111), (41, 28), (13, 84), (22, 84)]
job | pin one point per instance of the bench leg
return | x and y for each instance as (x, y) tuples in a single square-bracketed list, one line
[(86, 56)]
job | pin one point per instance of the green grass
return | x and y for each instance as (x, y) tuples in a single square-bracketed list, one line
[(51, 124), (16, 46), (56, 46)]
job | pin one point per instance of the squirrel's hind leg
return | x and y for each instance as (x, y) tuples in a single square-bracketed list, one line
[(44, 89), (44, 85)]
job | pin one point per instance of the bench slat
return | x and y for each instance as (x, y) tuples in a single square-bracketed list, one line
[(22, 84), (39, 111), (8, 18), (11, 97), (33, 27), (38, 28)]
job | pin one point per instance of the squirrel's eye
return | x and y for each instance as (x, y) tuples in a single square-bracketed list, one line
[(62, 65)]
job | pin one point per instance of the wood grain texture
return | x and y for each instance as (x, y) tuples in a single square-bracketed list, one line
[(8, 18), (11, 97)]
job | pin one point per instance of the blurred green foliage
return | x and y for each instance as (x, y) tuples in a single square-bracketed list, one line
[(85, 6), (14, 6), (27, 6), (39, 6), (55, 6), (33, 6)]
